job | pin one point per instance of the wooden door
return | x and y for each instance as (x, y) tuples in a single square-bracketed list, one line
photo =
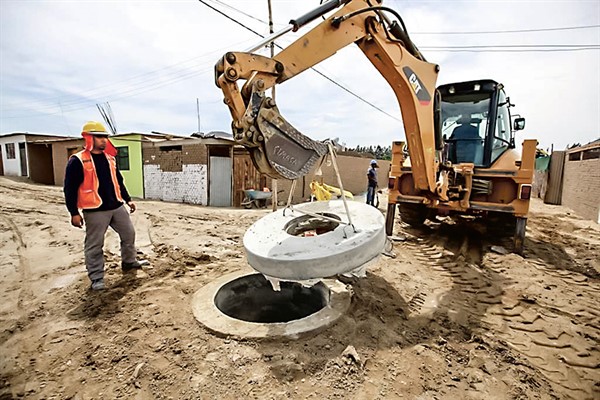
[(245, 176)]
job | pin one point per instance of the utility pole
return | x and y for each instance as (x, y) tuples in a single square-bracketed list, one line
[(198, 113), (272, 45)]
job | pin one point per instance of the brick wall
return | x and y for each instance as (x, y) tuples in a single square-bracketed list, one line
[(174, 171), (581, 186), (172, 155)]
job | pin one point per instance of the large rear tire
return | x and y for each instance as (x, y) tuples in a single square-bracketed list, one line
[(390, 216), (501, 225), (413, 214), (519, 238)]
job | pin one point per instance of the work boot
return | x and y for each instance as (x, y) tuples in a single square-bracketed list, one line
[(132, 266), (98, 284)]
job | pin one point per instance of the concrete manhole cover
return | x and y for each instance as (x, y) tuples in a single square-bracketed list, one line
[(278, 245)]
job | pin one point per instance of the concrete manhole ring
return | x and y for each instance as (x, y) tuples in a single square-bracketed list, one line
[(276, 247), (234, 305)]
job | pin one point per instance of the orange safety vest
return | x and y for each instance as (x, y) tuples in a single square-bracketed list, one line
[(87, 195)]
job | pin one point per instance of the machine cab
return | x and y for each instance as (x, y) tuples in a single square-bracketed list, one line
[(476, 122)]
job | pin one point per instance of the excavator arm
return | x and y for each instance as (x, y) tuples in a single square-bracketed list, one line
[(281, 151)]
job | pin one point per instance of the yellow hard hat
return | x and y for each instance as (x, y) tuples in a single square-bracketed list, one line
[(94, 128)]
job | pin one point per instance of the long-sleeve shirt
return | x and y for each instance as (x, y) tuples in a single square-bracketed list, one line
[(106, 189)]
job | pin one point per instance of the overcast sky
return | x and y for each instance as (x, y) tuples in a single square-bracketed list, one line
[(151, 60)]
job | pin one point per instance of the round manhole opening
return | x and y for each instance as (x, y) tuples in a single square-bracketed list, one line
[(251, 298), (307, 225)]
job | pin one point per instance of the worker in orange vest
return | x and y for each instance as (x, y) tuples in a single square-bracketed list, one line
[(94, 184)]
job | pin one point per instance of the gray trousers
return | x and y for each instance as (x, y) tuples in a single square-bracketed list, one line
[(97, 223)]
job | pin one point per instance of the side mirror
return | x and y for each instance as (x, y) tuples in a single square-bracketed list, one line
[(519, 124)]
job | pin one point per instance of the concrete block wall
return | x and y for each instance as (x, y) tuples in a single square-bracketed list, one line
[(176, 171), (581, 187), (187, 186)]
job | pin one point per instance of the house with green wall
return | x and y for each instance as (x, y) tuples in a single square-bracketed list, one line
[(129, 161)]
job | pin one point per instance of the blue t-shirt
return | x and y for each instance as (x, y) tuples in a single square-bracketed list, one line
[(372, 176)]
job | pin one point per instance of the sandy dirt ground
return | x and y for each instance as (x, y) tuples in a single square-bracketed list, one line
[(447, 318)]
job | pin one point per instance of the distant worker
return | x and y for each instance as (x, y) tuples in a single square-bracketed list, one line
[(94, 184), (372, 182)]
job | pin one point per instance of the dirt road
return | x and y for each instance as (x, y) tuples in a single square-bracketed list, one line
[(447, 318)]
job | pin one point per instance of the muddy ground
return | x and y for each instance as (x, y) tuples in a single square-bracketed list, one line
[(447, 318)]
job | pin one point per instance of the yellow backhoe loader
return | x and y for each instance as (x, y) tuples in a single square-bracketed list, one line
[(459, 137)]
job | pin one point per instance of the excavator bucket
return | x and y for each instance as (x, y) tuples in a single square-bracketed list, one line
[(285, 152)]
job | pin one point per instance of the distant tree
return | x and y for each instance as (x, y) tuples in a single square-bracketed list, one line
[(378, 152)]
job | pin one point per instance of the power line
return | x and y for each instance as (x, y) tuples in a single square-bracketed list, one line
[(513, 45), (522, 48), (566, 28), (118, 97), (512, 50), (230, 18), (122, 93), (188, 72), (95, 89), (240, 11), (147, 82), (355, 95), (107, 90), (318, 72)]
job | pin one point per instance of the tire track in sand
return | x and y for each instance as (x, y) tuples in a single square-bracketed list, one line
[(23, 267), (559, 335)]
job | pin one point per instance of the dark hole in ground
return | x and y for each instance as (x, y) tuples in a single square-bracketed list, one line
[(251, 298), (298, 226)]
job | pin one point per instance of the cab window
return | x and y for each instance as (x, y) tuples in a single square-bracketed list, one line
[(464, 126), (502, 134)]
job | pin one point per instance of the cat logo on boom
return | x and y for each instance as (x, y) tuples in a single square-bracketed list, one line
[(417, 86), (415, 83)]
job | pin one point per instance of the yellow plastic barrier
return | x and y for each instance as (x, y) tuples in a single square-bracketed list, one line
[(337, 191), (324, 192), (319, 191)]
